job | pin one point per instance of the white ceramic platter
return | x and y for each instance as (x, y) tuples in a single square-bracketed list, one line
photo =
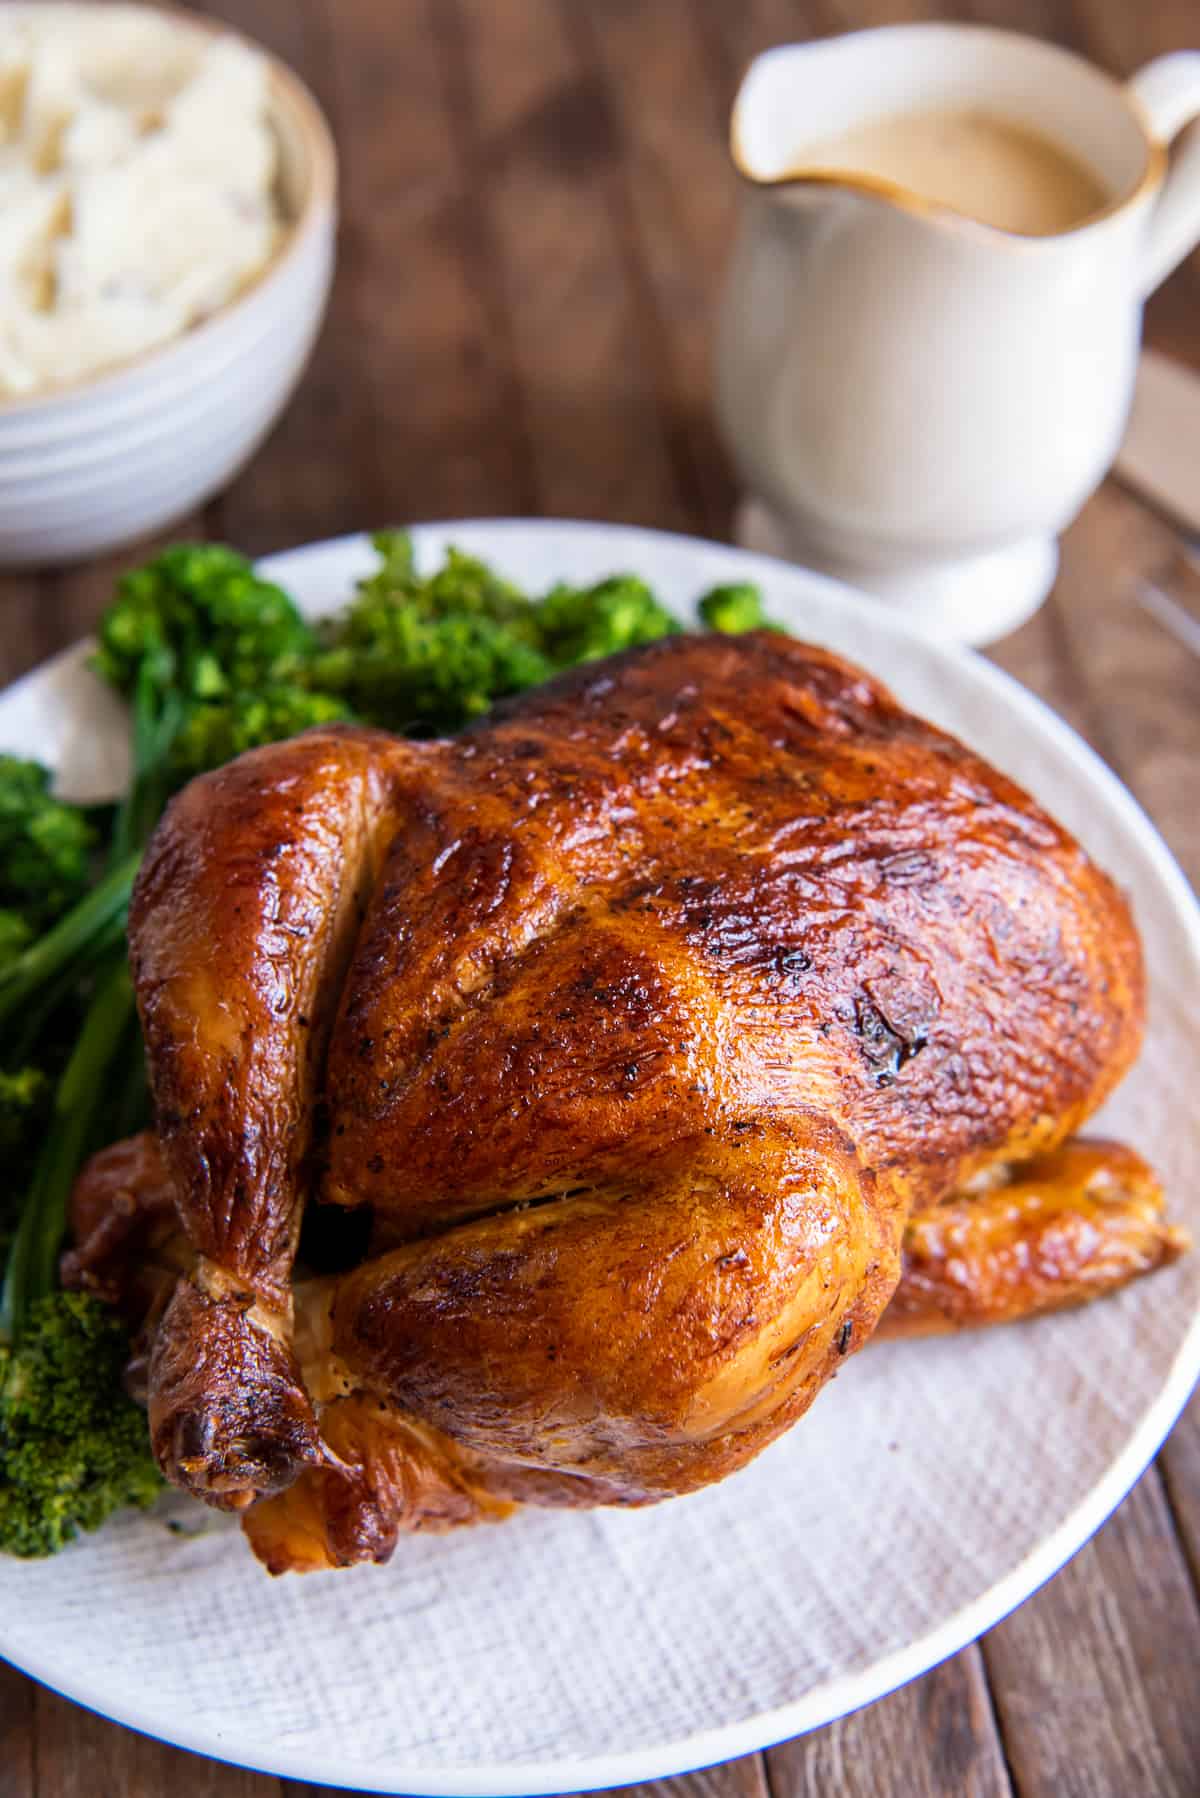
[(930, 1490)]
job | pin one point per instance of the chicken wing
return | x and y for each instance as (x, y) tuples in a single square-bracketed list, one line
[(1081, 1221)]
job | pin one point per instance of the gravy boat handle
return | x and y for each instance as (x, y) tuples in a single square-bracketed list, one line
[(1167, 93)]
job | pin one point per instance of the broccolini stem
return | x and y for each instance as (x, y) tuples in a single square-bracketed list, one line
[(155, 725), (73, 936), (22, 1040), (129, 1109), (86, 1083)]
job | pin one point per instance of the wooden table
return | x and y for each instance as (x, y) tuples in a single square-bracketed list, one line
[(536, 213)]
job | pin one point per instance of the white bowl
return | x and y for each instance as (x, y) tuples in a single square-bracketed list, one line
[(99, 463)]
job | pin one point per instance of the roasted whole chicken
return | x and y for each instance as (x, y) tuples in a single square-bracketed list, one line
[(693, 1019)]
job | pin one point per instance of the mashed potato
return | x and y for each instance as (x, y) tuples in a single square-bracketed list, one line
[(137, 185)]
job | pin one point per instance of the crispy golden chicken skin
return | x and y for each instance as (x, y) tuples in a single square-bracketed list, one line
[(642, 1017), (1083, 1220), (1066, 1228)]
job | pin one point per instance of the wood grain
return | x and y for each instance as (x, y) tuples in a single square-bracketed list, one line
[(18, 1696), (536, 209), (734, 1779), (546, 132), (316, 475), (1096, 1689), (673, 191), (935, 1738), (76, 1759), (745, 1778), (30, 630)]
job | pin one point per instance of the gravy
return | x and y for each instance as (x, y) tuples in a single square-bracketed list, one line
[(985, 167)]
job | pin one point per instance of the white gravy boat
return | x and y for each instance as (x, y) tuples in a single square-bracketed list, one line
[(916, 401)]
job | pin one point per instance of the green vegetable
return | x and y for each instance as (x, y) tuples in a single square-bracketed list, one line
[(197, 622), (212, 734), (582, 624), (75, 1127), (429, 677), (73, 1446), (16, 935), (45, 845), (738, 607), (24, 1111), (95, 923), (426, 654), (193, 634), (23, 1108)]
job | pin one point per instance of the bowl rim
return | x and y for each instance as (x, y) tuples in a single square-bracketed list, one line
[(288, 94)]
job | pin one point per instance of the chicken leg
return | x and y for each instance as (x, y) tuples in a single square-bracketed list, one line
[(243, 919)]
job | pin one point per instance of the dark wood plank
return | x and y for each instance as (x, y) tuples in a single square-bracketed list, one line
[(284, 27), (17, 1734), (313, 476), (1036, 656), (1095, 1680), (743, 1778), (935, 1738), (1179, 1465), (407, 409), (1142, 684), (306, 481), (423, 362), (1128, 688), (23, 639), (1142, 687), (79, 1755), (675, 186), (740, 33), (410, 408), (545, 132), (1124, 37)]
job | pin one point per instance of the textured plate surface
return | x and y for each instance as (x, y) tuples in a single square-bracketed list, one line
[(930, 1490)]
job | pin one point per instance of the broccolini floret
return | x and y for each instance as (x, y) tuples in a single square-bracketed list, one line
[(73, 1447), (582, 624), (197, 622), (737, 607), (426, 676), (462, 587), (427, 654), (196, 627), (212, 734), (45, 845)]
